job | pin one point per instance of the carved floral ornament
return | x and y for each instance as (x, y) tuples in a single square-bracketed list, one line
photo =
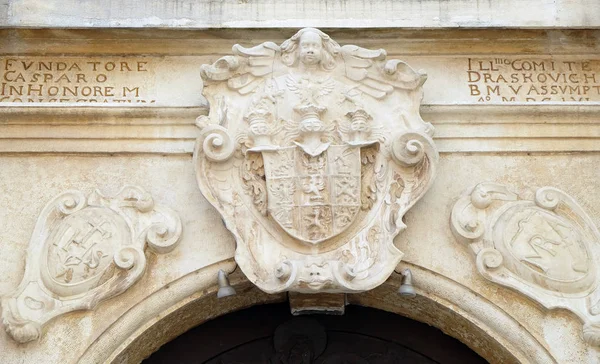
[(545, 247), (312, 153), (85, 250)]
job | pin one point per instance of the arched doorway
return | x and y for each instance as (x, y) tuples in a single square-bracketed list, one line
[(270, 334), (440, 302)]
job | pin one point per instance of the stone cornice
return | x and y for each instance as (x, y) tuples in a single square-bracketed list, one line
[(459, 128), (314, 13), (211, 42)]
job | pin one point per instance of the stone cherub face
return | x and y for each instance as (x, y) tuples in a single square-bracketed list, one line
[(310, 47)]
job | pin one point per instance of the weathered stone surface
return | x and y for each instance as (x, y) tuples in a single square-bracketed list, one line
[(48, 148), (315, 13), (36, 181), (430, 245)]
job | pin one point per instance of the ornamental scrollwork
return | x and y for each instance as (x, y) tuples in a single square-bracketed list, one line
[(540, 244), (312, 153), (84, 250)]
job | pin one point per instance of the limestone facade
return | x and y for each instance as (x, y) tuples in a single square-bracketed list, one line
[(116, 220)]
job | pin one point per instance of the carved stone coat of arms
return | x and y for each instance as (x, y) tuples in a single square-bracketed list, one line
[(312, 153)]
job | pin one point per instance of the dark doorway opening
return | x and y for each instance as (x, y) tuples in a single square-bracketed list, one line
[(270, 334)]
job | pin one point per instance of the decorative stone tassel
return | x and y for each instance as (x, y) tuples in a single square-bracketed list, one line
[(406, 288), (224, 288)]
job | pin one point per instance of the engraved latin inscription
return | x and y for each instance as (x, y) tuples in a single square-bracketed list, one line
[(77, 79), (515, 79)]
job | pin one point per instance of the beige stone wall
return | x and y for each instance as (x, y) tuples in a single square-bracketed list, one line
[(136, 127)]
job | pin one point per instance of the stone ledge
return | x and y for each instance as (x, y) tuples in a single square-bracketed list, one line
[(509, 128), (293, 14), (216, 42)]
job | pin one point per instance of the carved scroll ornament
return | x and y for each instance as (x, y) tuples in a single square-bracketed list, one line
[(545, 247), (312, 153), (85, 250)]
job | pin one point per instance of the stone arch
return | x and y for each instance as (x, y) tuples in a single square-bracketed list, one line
[(441, 302)]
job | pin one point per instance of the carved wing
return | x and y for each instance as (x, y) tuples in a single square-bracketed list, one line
[(326, 88), (376, 76), (245, 71), (292, 85)]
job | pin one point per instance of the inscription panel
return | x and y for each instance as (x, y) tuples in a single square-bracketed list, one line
[(519, 79), (166, 80), (149, 81)]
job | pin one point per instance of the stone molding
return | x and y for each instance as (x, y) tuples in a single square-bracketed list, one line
[(459, 129), (544, 246), (276, 14), (210, 42), (192, 299), (84, 250)]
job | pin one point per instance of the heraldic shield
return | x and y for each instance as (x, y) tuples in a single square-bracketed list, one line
[(312, 153), (313, 198)]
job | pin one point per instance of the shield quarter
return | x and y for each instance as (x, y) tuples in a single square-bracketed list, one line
[(313, 198)]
